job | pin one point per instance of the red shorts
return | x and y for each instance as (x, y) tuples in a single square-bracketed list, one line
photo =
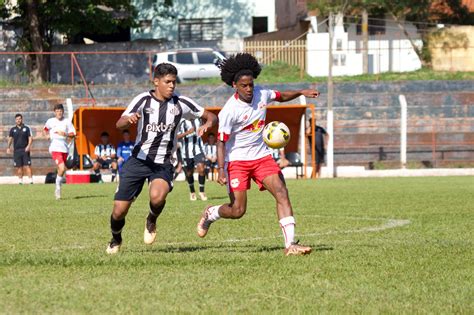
[(59, 157), (239, 173)]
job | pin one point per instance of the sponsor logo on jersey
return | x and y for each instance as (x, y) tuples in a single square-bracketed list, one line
[(161, 127), (255, 126), (149, 111), (174, 111), (234, 183)]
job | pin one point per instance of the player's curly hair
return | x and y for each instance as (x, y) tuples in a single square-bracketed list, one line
[(234, 67)]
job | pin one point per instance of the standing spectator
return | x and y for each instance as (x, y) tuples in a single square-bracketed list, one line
[(60, 131), (210, 151), (21, 138), (105, 156), (124, 149), (193, 156), (321, 139)]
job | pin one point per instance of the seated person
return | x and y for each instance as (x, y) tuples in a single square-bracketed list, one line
[(124, 149), (105, 157), (279, 157), (210, 151)]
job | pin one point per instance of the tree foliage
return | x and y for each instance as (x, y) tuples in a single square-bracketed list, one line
[(40, 20)]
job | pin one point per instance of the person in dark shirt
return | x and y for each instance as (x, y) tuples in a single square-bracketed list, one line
[(321, 138), (21, 138), (124, 149), (105, 157)]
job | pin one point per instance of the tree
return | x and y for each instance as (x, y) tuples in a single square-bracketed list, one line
[(40, 20)]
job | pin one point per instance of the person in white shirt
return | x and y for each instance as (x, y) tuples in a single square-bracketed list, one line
[(210, 151), (242, 154), (60, 130), (105, 157)]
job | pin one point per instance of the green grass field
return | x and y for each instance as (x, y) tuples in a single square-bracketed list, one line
[(398, 245)]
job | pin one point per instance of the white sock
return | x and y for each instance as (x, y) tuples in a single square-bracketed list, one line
[(30, 180), (20, 180), (287, 225), (59, 180), (214, 213)]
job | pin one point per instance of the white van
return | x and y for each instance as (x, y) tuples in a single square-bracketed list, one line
[(192, 63)]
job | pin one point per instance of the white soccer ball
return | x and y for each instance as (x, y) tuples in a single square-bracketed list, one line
[(276, 134)]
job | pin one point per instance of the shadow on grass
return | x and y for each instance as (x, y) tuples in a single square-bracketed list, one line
[(233, 248), (218, 198), (88, 197)]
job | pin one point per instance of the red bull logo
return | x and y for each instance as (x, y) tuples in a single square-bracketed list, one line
[(255, 126)]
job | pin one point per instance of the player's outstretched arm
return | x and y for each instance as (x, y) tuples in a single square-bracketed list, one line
[(211, 120), (289, 95)]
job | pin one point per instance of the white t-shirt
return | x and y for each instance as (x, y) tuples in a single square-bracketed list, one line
[(241, 125), (58, 142)]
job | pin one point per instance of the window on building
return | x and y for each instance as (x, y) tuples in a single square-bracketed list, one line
[(200, 29), (184, 58), (376, 26), (343, 60), (335, 60), (259, 24), (339, 44)]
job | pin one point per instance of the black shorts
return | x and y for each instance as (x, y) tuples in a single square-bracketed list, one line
[(21, 158), (135, 172), (191, 163), (105, 164), (320, 156)]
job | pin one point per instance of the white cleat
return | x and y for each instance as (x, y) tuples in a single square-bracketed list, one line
[(113, 247), (202, 196), (149, 235), (192, 197), (57, 193)]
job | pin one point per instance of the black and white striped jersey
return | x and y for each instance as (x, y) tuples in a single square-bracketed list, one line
[(191, 144), (157, 128)]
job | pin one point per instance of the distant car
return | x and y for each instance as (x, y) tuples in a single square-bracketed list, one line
[(192, 63)]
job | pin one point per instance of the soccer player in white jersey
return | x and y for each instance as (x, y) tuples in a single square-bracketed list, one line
[(241, 153), (157, 114), (60, 130)]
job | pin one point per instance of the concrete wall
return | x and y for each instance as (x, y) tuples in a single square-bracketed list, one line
[(452, 49)]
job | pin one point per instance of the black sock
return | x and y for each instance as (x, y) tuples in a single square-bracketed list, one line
[(190, 180), (114, 174), (155, 212), (116, 227), (202, 180)]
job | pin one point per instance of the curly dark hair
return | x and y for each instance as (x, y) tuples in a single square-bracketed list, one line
[(234, 67)]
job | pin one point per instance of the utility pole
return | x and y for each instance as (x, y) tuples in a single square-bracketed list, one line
[(330, 117), (365, 41)]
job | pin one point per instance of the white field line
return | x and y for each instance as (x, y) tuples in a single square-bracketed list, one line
[(388, 224)]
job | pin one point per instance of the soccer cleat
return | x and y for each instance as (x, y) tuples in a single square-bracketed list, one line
[(149, 234), (192, 197), (113, 247), (296, 249), (204, 224), (57, 193), (202, 196)]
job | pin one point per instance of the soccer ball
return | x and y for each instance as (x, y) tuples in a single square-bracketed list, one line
[(276, 134)]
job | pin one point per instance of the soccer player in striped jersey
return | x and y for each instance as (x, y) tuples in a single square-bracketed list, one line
[(242, 155), (156, 114), (193, 156)]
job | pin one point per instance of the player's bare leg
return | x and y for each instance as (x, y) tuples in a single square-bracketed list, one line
[(117, 222), (19, 174), (29, 173), (233, 210), (159, 189), (275, 184)]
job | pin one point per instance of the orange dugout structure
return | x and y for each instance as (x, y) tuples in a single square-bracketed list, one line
[(90, 122)]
